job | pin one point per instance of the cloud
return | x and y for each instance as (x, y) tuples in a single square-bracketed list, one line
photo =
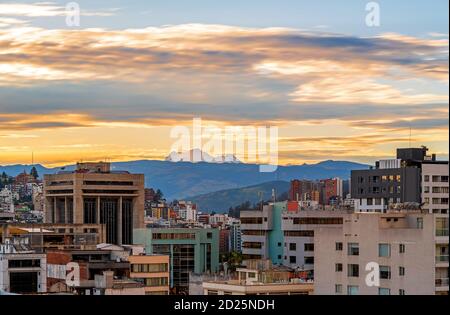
[(164, 76), (45, 9)]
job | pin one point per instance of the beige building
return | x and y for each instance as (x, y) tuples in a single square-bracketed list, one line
[(410, 248), (259, 278), (435, 187), (94, 194), (153, 271)]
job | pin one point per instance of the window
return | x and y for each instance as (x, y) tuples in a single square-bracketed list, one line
[(369, 201), (420, 223), (148, 268), (385, 272), (338, 267), (384, 250), (436, 179), (402, 248), (384, 291), (426, 189), (426, 178), (339, 246), (209, 235), (353, 249), (309, 247), (441, 226), (352, 290), (401, 292), (279, 244), (338, 289), (309, 260), (292, 259), (401, 271), (353, 270), (292, 246)]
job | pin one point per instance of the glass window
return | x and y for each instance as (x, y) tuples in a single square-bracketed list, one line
[(352, 290), (420, 223), (292, 259), (384, 250), (292, 246), (426, 178), (402, 248), (339, 246), (353, 270), (353, 249), (384, 291), (338, 268), (401, 271), (385, 272), (401, 292), (338, 288)]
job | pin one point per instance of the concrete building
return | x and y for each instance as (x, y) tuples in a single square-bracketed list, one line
[(152, 271), (391, 181), (94, 194), (435, 187), (22, 270), (235, 237), (410, 248), (259, 277), (191, 250), (42, 237), (284, 234)]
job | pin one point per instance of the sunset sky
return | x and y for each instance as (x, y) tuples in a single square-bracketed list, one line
[(115, 86)]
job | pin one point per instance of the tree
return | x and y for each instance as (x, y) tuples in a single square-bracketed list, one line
[(159, 195), (34, 173)]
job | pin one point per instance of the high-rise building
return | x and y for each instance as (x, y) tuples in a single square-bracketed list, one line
[(407, 251), (392, 181), (191, 250), (94, 194), (235, 237)]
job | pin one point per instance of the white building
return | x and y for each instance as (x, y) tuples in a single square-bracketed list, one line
[(410, 248), (435, 190), (7, 198), (22, 271)]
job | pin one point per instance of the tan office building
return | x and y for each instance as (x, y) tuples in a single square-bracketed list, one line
[(94, 194), (410, 248)]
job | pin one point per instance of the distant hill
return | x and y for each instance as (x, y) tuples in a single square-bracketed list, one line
[(221, 201), (182, 179)]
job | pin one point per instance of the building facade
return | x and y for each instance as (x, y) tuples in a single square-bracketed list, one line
[(94, 194), (410, 249), (191, 250), (435, 189)]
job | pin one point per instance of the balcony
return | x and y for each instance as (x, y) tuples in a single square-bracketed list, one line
[(441, 282), (441, 258), (441, 232)]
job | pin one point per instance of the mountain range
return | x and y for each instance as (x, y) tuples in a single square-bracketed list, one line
[(183, 179)]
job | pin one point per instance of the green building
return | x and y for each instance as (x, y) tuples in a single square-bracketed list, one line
[(190, 250)]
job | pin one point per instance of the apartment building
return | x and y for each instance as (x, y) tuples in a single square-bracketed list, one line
[(259, 277), (152, 271), (435, 187), (392, 181), (235, 237), (284, 233), (410, 248), (22, 270), (191, 250), (93, 194)]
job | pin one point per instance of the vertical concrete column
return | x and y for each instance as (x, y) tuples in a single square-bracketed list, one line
[(119, 222), (55, 211), (98, 210)]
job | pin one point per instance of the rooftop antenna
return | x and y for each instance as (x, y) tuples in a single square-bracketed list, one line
[(32, 157), (410, 134)]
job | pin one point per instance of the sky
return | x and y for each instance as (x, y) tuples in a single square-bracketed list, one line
[(117, 85)]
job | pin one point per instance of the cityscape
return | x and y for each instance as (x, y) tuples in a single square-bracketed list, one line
[(184, 148), (98, 231)]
